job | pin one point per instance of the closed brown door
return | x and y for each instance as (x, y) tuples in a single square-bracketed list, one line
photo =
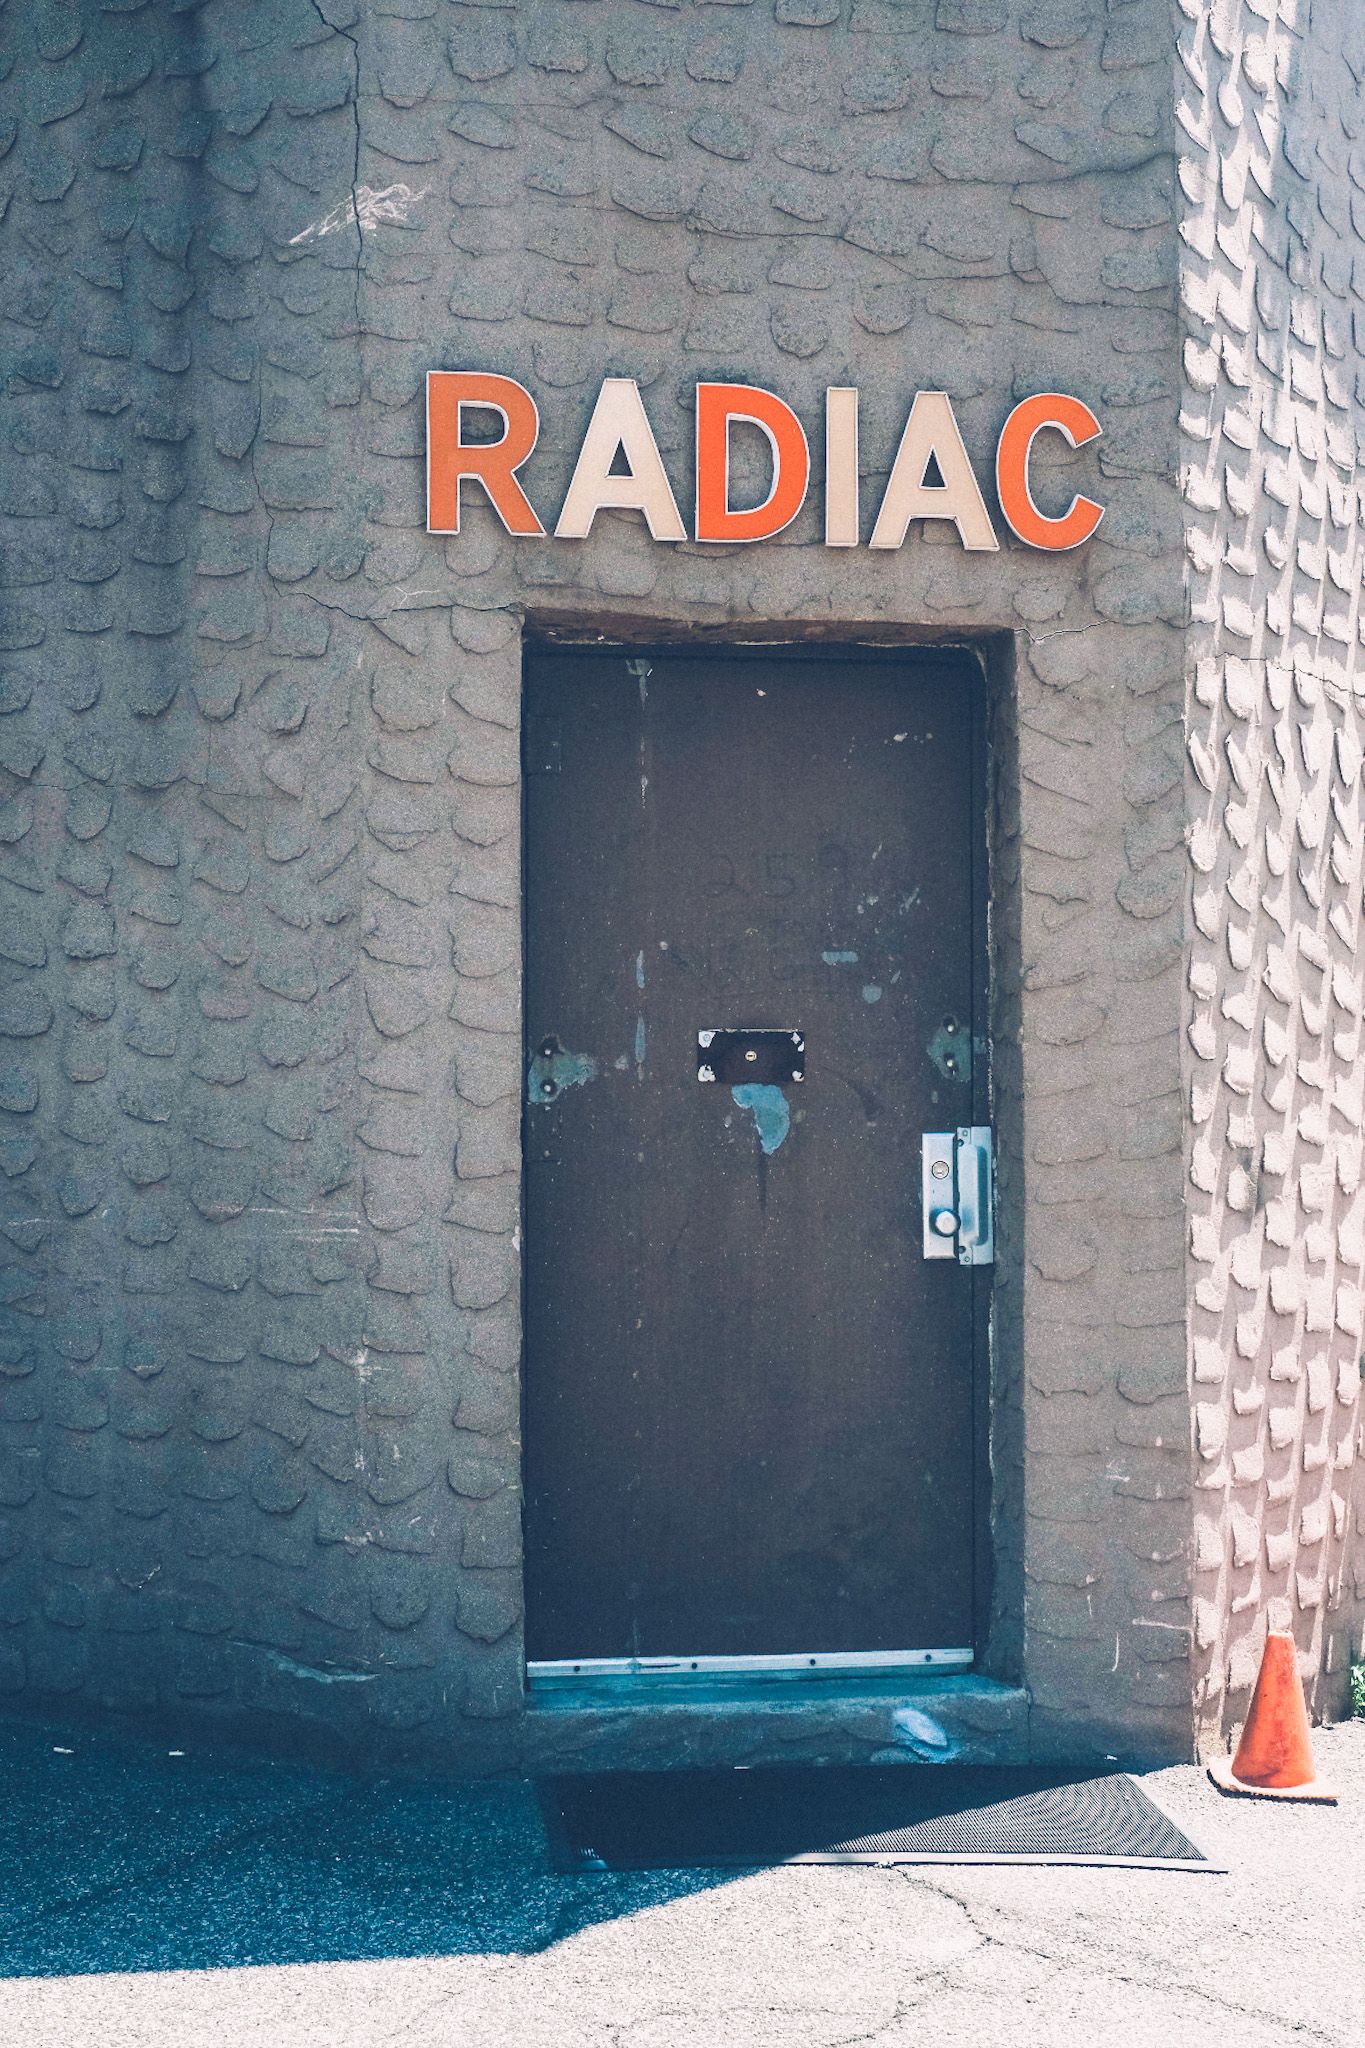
[(751, 1417)]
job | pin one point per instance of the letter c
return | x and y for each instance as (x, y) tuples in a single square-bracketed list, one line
[(1077, 425)]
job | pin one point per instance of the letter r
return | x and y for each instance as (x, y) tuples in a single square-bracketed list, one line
[(494, 464)]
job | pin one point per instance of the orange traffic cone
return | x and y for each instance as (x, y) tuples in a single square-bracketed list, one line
[(1274, 1758)]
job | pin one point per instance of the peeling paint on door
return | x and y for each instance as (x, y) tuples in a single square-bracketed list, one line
[(768, 1107), (950, 1049), (552, 1070)]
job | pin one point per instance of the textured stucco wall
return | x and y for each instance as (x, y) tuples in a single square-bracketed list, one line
[(1272, 173), (259, 891)]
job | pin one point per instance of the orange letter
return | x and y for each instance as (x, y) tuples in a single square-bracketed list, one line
[(717, 405), (492, 463), (1077, 425)]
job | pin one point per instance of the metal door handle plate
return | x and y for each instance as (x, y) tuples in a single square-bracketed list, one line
[(957, 1181)]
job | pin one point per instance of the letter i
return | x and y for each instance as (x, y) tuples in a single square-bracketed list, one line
[(841, 467)]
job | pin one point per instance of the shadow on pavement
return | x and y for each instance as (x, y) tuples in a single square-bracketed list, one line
[(123, 1857)]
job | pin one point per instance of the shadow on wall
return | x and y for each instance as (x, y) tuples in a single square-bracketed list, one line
[(122, 1858)]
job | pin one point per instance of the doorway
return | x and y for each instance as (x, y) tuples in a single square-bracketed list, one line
[(754, 1408)]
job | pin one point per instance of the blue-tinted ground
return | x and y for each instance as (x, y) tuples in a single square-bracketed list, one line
[(122, 1856), (150, 1899)]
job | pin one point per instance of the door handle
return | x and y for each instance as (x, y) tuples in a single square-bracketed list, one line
[(957, 1182)]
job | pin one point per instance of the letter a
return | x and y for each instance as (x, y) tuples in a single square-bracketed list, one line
[(619, 421), (932, 429)]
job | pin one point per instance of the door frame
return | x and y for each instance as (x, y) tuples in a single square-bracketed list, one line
[(568, 643)]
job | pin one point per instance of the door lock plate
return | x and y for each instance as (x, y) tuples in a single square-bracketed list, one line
[(957, 1193), (770, 1057)]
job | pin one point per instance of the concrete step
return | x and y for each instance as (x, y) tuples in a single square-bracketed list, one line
[(618, 1724)]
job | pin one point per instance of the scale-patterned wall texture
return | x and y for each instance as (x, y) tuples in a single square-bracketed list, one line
[(1272, 116), (259, 894)]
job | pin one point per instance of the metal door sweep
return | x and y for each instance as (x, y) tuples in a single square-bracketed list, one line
[(798, 1664)]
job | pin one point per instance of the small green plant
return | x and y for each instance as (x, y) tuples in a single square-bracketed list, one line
[(1358, 1691)]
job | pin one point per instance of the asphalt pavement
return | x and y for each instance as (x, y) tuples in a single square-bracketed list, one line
[(152, 1899)]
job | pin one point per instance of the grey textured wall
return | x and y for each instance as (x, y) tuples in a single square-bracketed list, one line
[(259, 893), (1273, 288)]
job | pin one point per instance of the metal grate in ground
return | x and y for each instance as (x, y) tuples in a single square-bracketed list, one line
[(897, 1813)]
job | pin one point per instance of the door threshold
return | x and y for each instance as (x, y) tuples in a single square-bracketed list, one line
[(545, 1675), (732, 1720)]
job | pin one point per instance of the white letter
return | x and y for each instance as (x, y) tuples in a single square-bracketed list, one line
[(841, 467), (932, 430), (619, 421)]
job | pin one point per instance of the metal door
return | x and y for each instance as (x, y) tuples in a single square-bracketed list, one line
[(751, 1414)]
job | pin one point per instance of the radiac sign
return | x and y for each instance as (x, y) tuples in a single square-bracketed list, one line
[(619, 465)]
